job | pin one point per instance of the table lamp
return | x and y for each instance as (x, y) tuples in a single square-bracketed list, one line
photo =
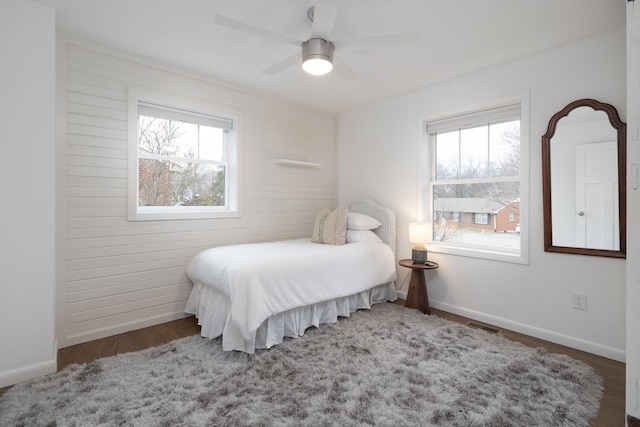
[(419, 233)]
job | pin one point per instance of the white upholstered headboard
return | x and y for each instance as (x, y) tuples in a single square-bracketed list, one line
[(387, 231)]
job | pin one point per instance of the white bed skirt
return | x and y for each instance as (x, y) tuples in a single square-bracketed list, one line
[(211, 308)]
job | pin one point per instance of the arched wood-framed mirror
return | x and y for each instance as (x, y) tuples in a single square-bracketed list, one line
[(584, 180)]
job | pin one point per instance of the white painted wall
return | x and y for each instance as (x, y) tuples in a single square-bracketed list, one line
[(378, 148), (117, 275), (27, 49), (633, 209)]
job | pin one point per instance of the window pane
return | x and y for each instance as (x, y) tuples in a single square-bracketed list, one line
[(505, 149), (447, 155), (185, 142), (157, 136), (168, 183), (180, 139), (478, 215), (474, 152), (211, 143)]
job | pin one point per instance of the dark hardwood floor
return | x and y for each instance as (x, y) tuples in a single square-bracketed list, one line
[(612, 406), (127, 342)]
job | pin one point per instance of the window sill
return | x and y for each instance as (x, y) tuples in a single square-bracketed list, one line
[(490, 254), (159, 214)]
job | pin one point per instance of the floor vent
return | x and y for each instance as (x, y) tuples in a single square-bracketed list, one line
[(483, 327)]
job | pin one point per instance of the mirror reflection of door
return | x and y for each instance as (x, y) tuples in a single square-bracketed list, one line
[(582, 209), (597, 196)]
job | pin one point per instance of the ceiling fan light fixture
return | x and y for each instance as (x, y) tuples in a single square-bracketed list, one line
[(317, 56), (317, 66)]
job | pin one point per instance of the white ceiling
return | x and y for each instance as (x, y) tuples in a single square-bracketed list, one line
[(456, 37)]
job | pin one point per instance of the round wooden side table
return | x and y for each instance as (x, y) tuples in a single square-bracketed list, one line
[(417, 296)]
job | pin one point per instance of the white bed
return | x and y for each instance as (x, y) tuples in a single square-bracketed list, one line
[(254, 295)]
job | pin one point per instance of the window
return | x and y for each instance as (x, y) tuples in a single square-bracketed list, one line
[(183, 163), (473, 192), (481, 218)]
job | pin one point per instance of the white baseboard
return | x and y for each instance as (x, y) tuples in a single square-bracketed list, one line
[(26, 373), (533, 331)]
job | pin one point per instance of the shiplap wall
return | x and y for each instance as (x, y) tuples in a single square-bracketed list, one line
[(119, 275)]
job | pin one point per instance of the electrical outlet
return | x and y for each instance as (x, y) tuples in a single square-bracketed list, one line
[(579, 300)]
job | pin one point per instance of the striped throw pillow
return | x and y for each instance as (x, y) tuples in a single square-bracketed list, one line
[(331, 226)]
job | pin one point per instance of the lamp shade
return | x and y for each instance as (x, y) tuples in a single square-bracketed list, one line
[(419, 232)]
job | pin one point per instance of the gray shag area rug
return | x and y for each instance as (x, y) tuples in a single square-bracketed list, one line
[(388, 366)]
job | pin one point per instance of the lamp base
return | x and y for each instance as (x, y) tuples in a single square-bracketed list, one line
[(419, 256)]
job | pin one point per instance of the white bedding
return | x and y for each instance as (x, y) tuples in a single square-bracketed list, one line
[(263, 279)]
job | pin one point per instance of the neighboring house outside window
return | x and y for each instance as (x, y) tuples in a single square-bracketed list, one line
[(475, 183), (477, 213), (183, 163)]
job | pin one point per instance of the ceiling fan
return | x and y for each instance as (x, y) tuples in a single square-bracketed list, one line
[(318, 51)]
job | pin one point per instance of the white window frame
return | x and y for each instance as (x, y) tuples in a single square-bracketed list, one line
[(426, 166), (182, 107)]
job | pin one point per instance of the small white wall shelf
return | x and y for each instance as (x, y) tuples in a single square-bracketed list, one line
[(298, 163)]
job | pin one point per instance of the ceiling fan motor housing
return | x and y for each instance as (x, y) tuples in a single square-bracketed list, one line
[(317, 49)]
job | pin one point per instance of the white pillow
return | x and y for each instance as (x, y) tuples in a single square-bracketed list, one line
[(355, 236), (358, 221)]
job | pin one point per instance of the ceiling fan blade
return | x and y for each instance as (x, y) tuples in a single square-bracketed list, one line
[(344, 69), (324, 16), (399, 38), (285, 63), (248, 28)]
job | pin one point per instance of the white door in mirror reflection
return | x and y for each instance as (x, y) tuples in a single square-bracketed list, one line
[(597, 196)]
